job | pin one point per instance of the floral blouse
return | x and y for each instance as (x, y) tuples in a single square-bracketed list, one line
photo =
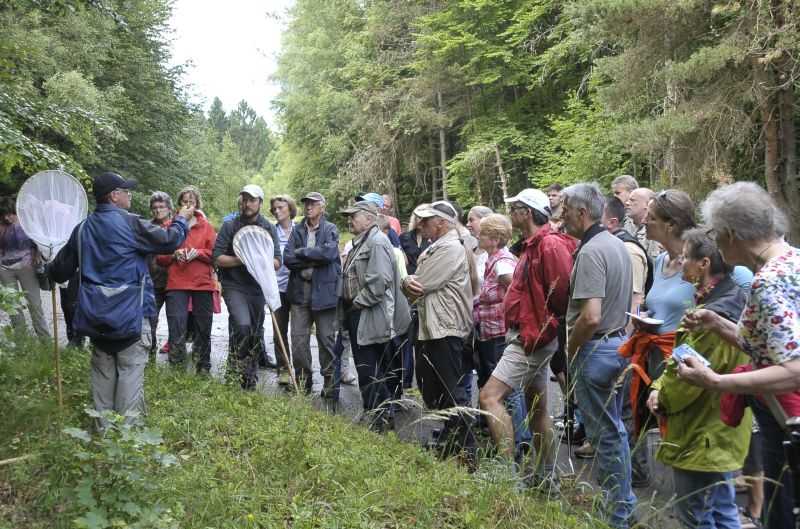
[(769, 329)]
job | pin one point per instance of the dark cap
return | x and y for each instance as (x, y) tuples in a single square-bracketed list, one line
[(365, 206), (313, 196), (108, 182)]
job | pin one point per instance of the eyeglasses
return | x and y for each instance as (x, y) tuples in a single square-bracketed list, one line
[(126, 191)]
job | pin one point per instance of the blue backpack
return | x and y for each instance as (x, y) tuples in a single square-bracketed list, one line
[(108, 312)]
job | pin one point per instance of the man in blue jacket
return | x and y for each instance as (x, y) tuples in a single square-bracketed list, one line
[(312, 256), (115, 292)]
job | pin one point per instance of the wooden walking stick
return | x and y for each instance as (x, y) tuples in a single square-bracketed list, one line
[(286, 355), (56, 352)]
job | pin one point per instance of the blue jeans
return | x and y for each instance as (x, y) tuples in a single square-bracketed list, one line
[(706, 500), (597, 368)]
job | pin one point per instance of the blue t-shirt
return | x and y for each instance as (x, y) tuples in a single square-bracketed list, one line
[(669, 298), (743, 277)]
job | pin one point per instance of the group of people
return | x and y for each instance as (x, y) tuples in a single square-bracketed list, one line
[(646, 318)]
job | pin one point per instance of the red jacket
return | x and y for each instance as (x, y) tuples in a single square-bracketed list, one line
[(198, 273), (539, 291)]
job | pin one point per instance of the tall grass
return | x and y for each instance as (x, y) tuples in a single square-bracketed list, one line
[(246, 460)]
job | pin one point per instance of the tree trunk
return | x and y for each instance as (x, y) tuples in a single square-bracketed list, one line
[(442, 148), (501, 173), (770, 121), (784, 181), (432, 147)]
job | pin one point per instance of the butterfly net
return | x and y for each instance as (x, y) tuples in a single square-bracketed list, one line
[(253, 245), (49, 206)]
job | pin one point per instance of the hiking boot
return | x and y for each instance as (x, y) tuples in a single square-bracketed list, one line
[(585, 451), (548, 484)]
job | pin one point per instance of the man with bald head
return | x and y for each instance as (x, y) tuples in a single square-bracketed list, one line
[(637, 211)]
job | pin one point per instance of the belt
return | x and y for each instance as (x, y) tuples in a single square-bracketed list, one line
[(616, 333)]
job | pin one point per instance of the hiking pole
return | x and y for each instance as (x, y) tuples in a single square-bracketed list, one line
[(286, 356), (56, 352), (568, 404)]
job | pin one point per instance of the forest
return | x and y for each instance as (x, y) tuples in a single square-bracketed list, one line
[(422, 99)]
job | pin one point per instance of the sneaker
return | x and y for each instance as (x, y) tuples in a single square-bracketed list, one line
[(585, 451), (747, 520), (349, 378), (283, 378), (164, 349)]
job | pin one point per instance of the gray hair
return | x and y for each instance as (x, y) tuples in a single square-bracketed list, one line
[(160, 196), (480, 211), (587, 196), (626, 181), (746, 210)]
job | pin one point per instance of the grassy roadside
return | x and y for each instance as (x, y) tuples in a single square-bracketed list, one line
[(244, 461)]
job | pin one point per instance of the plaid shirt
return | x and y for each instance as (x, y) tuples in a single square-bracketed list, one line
[(490, 313)]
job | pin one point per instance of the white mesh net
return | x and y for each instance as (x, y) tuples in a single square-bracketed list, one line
[(253, 245), (49, 206)]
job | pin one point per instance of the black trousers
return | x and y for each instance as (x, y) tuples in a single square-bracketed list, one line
[(177, 319), (246, 309), (282, 317), (69, 304), (372, 365), (439, 370)]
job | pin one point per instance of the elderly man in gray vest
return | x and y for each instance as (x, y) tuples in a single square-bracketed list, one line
[(374, 309)]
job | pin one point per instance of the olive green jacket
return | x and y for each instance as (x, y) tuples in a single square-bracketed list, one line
[(696, 437)]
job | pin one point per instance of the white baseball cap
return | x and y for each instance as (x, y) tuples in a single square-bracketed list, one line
[(440, 208), (533, 198), (253, 190)]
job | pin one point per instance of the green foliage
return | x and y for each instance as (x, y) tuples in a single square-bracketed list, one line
[(581, 147), (116, 471), (86, 86), (11, 299)]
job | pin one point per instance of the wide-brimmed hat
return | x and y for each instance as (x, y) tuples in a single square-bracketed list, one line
[(362, 206)]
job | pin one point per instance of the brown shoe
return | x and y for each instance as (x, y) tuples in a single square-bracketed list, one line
[(585, 451)]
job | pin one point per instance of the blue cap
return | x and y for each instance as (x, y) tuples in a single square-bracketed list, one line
[(375, 198)]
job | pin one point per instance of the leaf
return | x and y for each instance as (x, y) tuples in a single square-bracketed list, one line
[(77, 433), (86, 495), (131, 508), (151, 437), (95, 519)]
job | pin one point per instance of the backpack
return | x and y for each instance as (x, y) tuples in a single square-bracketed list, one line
[(108, 312), (624, 236)]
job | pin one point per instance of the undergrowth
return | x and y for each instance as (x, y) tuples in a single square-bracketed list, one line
[(214, 456)]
